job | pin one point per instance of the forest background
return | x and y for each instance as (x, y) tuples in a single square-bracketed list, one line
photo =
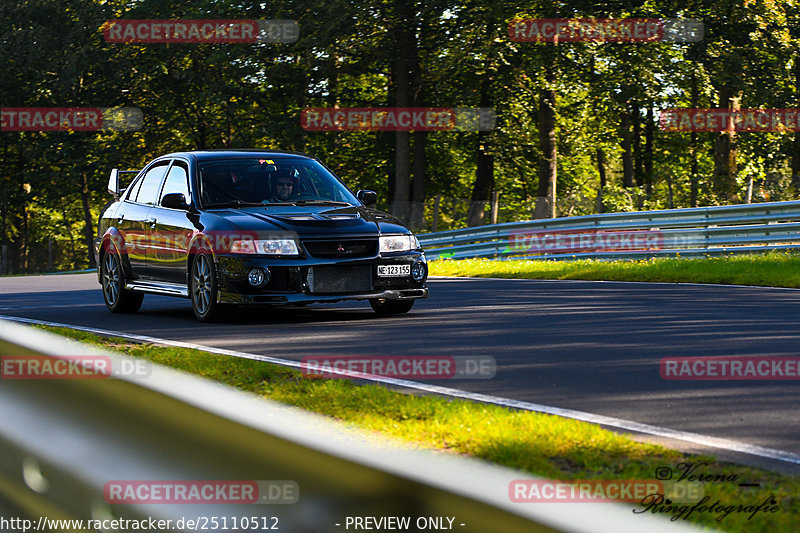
[(576, 130)]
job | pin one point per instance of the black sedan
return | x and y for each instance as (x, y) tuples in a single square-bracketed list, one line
[(252, 228)]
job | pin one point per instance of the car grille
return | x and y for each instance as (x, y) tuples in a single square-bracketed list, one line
[(344, 248), (339, 279)]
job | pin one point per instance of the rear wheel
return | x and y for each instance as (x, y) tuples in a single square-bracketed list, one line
[(112, 278), (203, 288), (391, 307)]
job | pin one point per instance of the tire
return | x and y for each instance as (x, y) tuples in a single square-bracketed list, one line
[(203, 287), (391, 307), (112, 278)]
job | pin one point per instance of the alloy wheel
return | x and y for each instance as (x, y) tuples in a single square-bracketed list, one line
[(111, 278), (202, 284)]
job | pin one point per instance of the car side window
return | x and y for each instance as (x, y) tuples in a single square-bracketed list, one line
[(134, 190), (151, 184), (177, 181)]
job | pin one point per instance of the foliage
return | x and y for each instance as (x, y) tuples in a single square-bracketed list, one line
[(197, 96)]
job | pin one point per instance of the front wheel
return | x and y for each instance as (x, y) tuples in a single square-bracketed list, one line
[(203, 288), (116, 297), (391, 307)]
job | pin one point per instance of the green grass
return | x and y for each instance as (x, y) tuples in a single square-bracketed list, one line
[(774, 269), (544, 445)]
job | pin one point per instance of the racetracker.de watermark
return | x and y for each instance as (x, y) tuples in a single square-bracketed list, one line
[(201, 492), (219, 242), (722, 119), (71, 367), (601, 490), (606, 30), (583, 241), (70, 119), (397, 119), (201, 31), (724, 368), (399, 366)]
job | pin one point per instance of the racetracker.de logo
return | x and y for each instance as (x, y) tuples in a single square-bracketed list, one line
[(201, 31), (579, 241), (582, 490), (70, 367), (201, 492), (722, 368), (397, 119), (722, 119), (605, 30), (399, 367), (70, 118), (602, 490), (219, 242)]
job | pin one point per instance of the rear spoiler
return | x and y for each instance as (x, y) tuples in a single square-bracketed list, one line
[(114, 181)]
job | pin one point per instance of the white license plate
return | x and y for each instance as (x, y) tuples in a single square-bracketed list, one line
[(394, 271)]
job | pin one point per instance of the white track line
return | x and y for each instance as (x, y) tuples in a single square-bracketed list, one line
[(669, 283), (628, 425)]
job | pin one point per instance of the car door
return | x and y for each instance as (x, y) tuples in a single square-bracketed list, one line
[(136, 221), (130, 223), (171, 230)]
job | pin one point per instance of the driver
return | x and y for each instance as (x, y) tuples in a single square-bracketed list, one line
[(283, 189)]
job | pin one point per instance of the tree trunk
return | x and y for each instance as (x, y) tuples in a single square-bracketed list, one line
[(417, 215), (403, 30), (796, 142), (693, 177), (601, 169), (484, 181), (725, 153), (627, 156), (484, 175), (548, 170), (638, 160), (649, 132)]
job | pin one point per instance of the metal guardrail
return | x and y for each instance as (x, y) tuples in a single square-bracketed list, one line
[(692, 232), (62, 440)]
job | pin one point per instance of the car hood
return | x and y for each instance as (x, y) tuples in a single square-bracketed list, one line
[(314, 221)]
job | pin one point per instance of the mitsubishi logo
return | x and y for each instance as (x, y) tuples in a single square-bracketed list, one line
[(342, 250)]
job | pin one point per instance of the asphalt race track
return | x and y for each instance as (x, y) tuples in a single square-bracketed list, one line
[(589, 346)]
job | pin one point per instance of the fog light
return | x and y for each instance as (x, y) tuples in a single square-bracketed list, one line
[(257, 277), (418, 271)]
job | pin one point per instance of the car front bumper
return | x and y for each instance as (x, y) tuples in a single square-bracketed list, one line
[(299, 280)]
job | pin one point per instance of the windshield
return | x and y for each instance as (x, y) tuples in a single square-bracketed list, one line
[(259, 181)]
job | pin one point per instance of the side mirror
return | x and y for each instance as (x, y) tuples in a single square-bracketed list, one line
[(367, 197), (174, 200), (113, 183)]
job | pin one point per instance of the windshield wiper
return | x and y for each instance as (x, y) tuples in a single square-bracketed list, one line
[(235, 203), (312, 202), (321, 202)]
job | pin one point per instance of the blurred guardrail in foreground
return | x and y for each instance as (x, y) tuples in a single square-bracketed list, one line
[(62, 441), (689, 232)]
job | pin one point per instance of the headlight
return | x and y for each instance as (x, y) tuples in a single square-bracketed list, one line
[(268, 247), (398, 243)]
